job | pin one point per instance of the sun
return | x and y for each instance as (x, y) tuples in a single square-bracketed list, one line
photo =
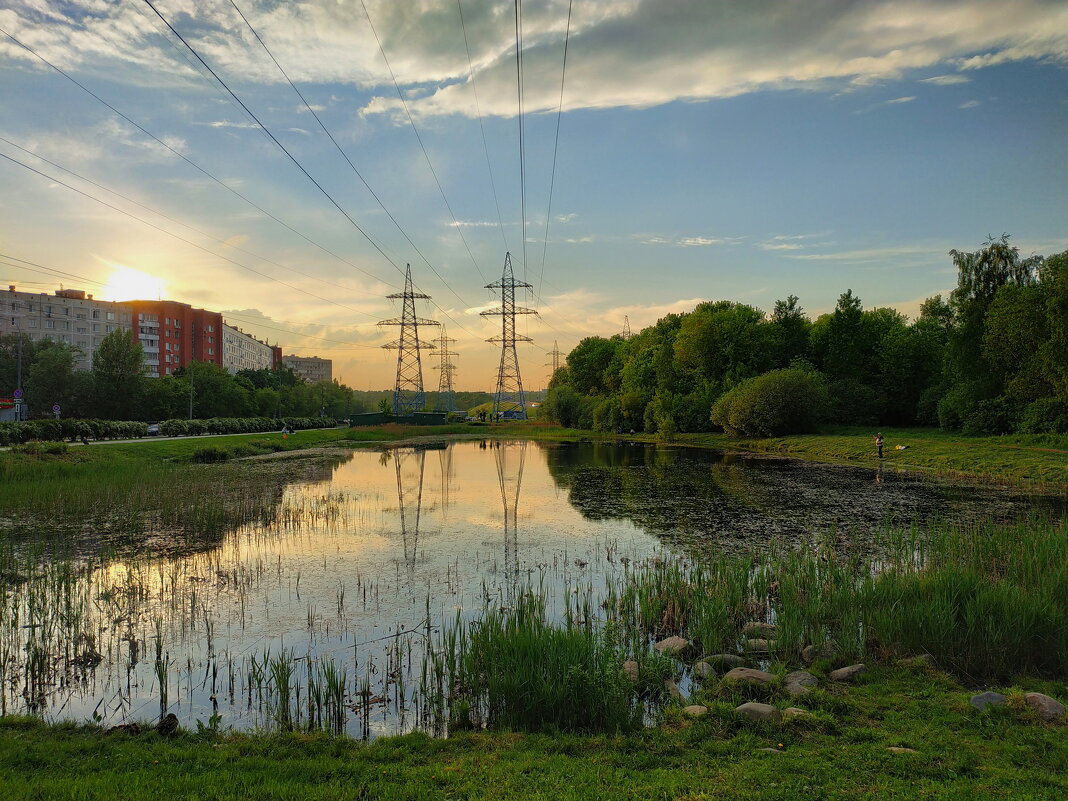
[(126, 283)]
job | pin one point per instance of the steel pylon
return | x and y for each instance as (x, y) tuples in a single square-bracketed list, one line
[(556, 353), (408, 395), (446, 396), (626, 327), (509, 399)]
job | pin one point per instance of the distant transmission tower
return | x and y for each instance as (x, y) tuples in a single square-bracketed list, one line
[(626, 327), (509, 399), (408, 395), (556, 353), (446, 397)]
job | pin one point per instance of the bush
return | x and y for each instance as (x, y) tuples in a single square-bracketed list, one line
[(855, 403), (788, 401), (41, 448), (209, 454), (1044, 416), (994, 416)]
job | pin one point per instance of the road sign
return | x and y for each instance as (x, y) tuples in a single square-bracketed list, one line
[(6, 403), (18, 394), (55, 408)]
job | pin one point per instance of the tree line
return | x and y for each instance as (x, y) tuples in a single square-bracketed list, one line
[(992, 358)]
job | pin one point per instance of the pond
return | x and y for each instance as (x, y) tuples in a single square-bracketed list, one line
[(326, 599)]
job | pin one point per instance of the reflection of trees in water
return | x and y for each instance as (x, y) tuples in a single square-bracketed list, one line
[(689, 495)]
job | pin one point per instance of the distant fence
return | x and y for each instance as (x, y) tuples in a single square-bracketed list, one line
[(417, 419)]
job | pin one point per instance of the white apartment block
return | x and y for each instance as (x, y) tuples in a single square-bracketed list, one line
[(68, 315), (243, 351), (310, 368)]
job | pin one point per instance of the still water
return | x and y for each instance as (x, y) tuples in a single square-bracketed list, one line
[(362, 559)]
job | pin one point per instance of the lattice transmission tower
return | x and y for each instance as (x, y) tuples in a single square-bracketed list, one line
[(555, 353), (626, 327), (408, 395), (509, 399), (446, 396)]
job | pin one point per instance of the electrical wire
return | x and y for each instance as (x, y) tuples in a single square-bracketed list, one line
[(522, 147)]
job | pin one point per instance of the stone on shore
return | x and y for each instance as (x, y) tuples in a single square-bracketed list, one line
[(812, 653), (749, 676), (759, 646), (630, 668), (847, 673), (725, 661), (1049, 709), (799, 683), (793, 712), (695, 710), (983, 700), (759, 712), (673, 690), (672, 646), (757, 629), (703, 670)]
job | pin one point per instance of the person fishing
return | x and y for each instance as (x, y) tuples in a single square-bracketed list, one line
[(879, 444)]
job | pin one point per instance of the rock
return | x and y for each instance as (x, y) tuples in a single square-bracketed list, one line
[(168, 727), (761, 712), (793, 712), (847, 673), (673, 690), (983, 700), (811, 653), (630, 669), (672, 646), (749, 676), (725, 660), (703, 670), (798, 683), (759, 646), (696, 710), (896, 749), (1047, 708), (756, 629)]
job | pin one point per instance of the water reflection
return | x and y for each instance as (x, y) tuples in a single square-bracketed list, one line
[(348, 564)]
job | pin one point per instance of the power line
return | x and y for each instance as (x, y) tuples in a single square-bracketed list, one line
[(419, 138), (179, 222), (44, 270), (522, 149), (192, 163), (344, 155), (556, 148), (189, 242), (481, 126)]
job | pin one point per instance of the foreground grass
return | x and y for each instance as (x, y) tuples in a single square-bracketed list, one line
[(844, 754)]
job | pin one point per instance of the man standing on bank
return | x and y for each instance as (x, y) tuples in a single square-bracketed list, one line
[(879, 444)]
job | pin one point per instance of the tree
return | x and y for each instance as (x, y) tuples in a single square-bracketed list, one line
[(788, 401), (119, 376), (50, 378)]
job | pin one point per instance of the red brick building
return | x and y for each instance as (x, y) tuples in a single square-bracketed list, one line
[(174, 334)]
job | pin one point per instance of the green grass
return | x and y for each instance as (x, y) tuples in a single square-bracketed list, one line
[(838, 753)]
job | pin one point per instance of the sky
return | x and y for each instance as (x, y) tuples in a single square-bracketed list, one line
[(703, 150)]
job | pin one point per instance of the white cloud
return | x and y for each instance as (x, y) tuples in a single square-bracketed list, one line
[(227, 124), (947, 80), (908, 99), (969, 104), (622, 53), (875, 254), (780, 246), (698, 241)]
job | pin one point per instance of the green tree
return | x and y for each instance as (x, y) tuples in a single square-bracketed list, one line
[(119, 376), (50, 380)]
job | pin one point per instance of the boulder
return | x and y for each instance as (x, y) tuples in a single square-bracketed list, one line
[(749, 676), (695, 710), (673, 690), (630, 669), (759, 646), (983, 700), (1049, 709), (672, 646), (703, 670), (727, 661), (847, 673), (756, 629), (759, 712), (811, 653), (793, 712), (798, 683)]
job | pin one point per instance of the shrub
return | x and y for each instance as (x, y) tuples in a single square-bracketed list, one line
[(209, 454), (788, 401), (994, 416), (1044, 416), (855, 403)]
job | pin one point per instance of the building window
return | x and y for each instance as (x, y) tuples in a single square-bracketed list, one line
[(111, 316), (33, 323), (49, 323)]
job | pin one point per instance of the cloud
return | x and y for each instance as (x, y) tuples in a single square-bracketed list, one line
[(472, 224), (699, 241), (621, 53), (946, 80), (970, 104), (780, 246), (875, 254), (227, 124), (565, 218), (686, 241), (908, 99)]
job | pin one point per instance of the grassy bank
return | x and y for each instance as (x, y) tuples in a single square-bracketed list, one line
[(843, 754)]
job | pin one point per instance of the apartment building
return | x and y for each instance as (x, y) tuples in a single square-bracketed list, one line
[(68, 315), (310, 368), (243, 351), (174, 334)]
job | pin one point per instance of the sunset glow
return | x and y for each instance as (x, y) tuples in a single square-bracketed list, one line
[(126, 283)]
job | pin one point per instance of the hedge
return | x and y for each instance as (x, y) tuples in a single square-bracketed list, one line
[(70, 429)]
